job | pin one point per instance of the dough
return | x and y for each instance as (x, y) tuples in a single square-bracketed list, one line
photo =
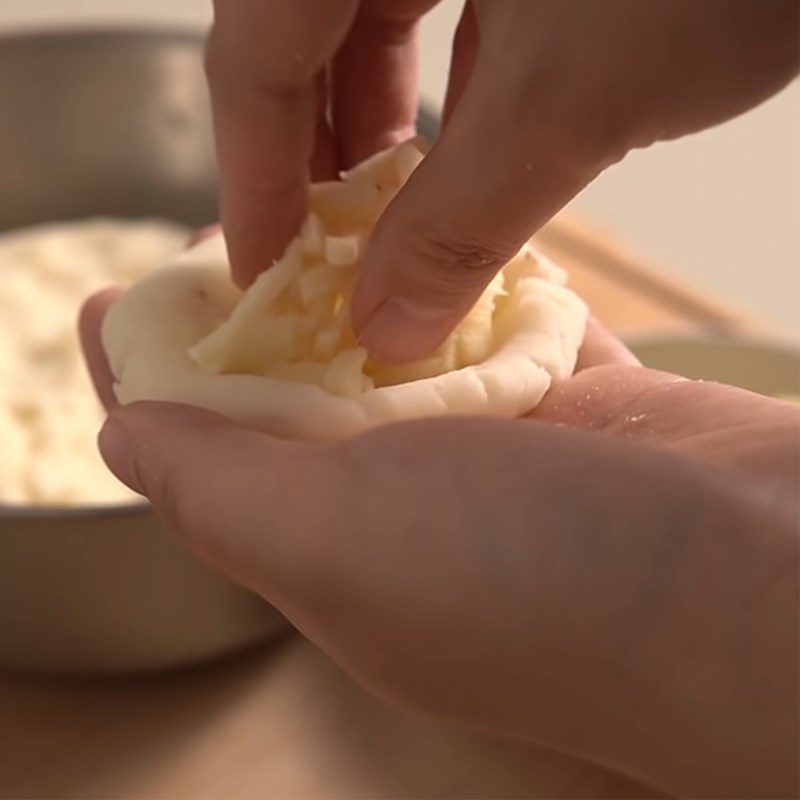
[(49, 415), (282, 358)]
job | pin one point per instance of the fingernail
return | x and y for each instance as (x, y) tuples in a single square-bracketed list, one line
[(117, 451), (402, 330)]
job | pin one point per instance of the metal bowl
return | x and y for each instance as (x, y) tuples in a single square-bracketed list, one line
[(770, 368), (108, 123), (113, 123)]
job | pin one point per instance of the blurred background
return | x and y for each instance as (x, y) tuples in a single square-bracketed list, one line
[(721, 208)]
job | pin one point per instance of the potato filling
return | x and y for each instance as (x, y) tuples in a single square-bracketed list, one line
[(293, 323)]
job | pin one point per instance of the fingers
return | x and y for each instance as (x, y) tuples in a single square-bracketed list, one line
[(465, 51), (263, 60), (600, 346), (374, 80), (489, 182), (89, 325), (250, 505), (324, 161)]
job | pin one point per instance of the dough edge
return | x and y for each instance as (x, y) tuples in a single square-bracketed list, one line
[(147, 333)]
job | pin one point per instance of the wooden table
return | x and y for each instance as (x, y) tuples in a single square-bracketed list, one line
[(284, 722), (280, 723)]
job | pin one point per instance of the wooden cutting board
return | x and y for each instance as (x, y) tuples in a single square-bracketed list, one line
[(284, 722), (633, 296)]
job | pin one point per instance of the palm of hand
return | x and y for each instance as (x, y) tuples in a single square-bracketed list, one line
[(729, 427), (516, 575)]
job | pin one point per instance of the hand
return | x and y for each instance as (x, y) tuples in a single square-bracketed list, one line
[(555, 93), (615, 578)]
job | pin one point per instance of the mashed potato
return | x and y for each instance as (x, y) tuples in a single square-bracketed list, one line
[(49, 415)]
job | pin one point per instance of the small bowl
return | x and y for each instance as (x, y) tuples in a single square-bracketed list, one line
[(109, 123), (108, 590), (770, 368)]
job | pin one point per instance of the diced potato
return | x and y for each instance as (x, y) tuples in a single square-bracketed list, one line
[(343, 207), (474, 337), (391, 168), (319, 313), (341, 251), (529, 262), (318, 280), (344, 373), (299, 312), (312, 236), (268, 287), (475, 344), (408, 157), (325, 344), (379, 171), (266, 340), (391, 374), (302, 371)]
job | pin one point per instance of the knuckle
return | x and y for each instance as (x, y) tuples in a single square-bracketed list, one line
[(457, 260), (391, 30), (256, 71)]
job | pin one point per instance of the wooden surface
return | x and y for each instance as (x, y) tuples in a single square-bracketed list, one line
[(630, 295), (282, 723), (285, 722)]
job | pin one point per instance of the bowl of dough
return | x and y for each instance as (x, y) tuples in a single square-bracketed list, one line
[(107, 162)]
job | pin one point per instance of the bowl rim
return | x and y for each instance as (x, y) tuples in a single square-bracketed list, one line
[(102, 31), (16, 511), (88, 32), (783, 345)]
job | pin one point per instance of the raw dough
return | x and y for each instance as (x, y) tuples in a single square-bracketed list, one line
[(49, 415), (282, 357)]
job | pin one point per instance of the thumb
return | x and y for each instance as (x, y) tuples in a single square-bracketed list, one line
[(491, 180), (249, 505)]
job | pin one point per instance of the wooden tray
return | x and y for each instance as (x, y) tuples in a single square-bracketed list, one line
[(633, 296), (285, 722)]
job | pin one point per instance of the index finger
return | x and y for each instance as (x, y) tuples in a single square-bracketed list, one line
[(262, 60)]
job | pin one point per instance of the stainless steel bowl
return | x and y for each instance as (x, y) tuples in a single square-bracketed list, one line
[(767, 367), (111, 122), (114, 123), (108, 123)]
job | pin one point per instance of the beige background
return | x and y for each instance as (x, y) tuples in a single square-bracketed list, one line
[(722, 207)]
